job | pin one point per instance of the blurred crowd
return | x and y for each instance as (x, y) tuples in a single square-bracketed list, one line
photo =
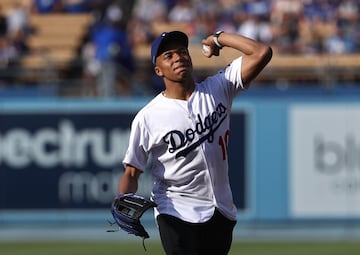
[(294, 27), (119, 26)]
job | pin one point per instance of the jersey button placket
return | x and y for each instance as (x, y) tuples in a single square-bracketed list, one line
[(190, 112)]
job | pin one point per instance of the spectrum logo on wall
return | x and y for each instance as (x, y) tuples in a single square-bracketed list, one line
[(61, 159), (324, 163)]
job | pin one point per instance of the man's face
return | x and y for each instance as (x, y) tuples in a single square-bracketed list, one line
[(174, 63)]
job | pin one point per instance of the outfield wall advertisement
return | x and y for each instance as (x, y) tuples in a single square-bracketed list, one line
[(71, 158), (288, 159), (325, 160), (60, 159)]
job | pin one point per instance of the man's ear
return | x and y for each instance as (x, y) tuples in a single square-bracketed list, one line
[(158, 71)]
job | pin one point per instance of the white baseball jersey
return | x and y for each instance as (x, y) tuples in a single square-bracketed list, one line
[(188, 142)]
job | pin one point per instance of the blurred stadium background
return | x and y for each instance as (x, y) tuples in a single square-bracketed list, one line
[(295, 147)]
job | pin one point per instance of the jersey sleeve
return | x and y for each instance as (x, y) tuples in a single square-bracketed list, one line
[(136, 154), (227, 82), (232, 74)]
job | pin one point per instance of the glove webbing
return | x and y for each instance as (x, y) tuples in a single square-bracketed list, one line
[(132, 207)]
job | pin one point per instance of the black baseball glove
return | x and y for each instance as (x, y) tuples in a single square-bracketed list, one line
[(127, 210)]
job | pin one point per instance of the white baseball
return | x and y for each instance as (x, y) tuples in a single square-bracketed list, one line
[(206, 48)]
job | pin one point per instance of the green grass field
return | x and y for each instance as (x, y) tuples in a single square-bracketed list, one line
[(154, 248)]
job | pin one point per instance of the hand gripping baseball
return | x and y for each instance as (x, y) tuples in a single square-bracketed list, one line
[(209, 48), (209, 51)]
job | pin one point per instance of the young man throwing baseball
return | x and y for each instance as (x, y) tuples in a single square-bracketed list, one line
[(181, 128)]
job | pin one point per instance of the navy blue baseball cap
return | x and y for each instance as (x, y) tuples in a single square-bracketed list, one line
[(165, 38)]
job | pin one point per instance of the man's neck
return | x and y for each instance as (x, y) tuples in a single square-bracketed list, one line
[(179, 91)]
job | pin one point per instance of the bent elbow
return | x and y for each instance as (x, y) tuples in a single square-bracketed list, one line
[(265, 54), (256, 63)]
